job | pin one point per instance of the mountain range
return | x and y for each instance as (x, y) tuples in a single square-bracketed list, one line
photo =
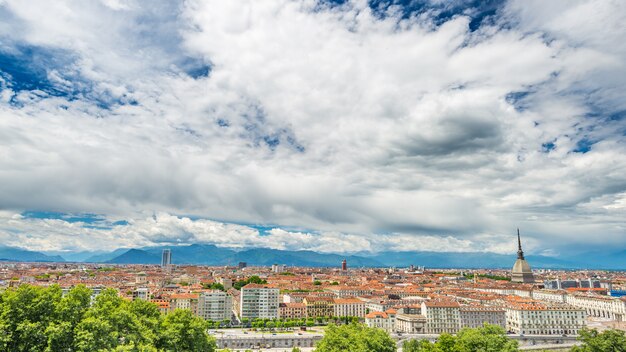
[(206, 254)]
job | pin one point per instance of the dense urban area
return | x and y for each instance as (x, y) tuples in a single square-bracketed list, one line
[(279, 307)]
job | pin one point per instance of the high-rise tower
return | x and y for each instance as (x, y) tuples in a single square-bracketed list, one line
[(166, 258), (521, 273), (344, 265)]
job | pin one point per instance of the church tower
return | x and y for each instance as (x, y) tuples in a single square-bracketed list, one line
[(521, 272)]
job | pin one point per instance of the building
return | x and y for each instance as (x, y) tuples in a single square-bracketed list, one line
[(226, 282), (166, 258), (184, 301), (276, 268), (344, 265), (542, 319), (599, 306), (215, 305), (378, 320), (410, 323), (141, 293), (319, 306), (292, 310), (521, 272), (476, 316), (349, 307), (441, 316), (242, 265), (258, 301)]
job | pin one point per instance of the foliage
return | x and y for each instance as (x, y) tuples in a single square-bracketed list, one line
[(594, 341), (355, 338), (317, 282), (254, 279), (489, 338), (42, 319), (487, 276), (214, 286)]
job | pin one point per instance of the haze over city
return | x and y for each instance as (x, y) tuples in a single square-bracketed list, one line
[(344, 127)]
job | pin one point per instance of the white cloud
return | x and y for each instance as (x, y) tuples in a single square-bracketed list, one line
[(326, 118)]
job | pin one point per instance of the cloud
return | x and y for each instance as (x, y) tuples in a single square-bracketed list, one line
[(371, 125)]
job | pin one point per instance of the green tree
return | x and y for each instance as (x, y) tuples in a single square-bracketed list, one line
[(182, 331), (489, 338), (355, 338), (594, 341), (417, 346)]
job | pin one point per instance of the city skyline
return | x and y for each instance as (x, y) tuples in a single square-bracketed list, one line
[(333, 126)]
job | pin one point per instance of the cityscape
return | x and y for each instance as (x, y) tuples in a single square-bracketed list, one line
[(281, 307), (312, 175)]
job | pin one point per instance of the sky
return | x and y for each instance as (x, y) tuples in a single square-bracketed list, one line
[(336, 126)]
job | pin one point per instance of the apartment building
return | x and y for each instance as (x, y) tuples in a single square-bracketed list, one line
[(379, 320), (599, 306), (542, 319), (292, 310), (258, 301), (215, 305), (348, 307), (442, 316), (410, 323), (477, 316), (319, 306), (184, 301)]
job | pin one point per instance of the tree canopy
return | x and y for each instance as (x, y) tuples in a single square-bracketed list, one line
[(489, 338), (594, 341), (42, 319), (355, 338)]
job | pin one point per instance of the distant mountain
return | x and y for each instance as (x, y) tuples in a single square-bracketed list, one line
[(204, 254), (266, 256), (136, 256), (23, 255), (105, 256), (213, 255)]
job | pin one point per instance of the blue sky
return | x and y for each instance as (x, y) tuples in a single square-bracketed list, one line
[(337, 126)]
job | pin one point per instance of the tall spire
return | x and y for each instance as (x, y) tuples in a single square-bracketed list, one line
[(520, 253)]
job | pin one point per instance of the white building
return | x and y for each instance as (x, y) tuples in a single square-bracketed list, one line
[(379, 320), (540, 319), (599, 306), (410, 323), (349, 307), (442, 317), (258, 301), (215, 305), (477, 316), (550, 296)]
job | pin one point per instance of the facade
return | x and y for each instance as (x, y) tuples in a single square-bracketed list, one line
[(599, 306), (215, 305), (166, 258), (351, 291), (521, 273), (378, 320), (319, 306), (349, 307), (442, 317), (184, 301), (476, 316), (141, 293), (410, 323), (258, 301), (539, 319), (292, 310)]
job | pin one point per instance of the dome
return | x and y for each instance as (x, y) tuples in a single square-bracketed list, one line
[(521, 266)]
